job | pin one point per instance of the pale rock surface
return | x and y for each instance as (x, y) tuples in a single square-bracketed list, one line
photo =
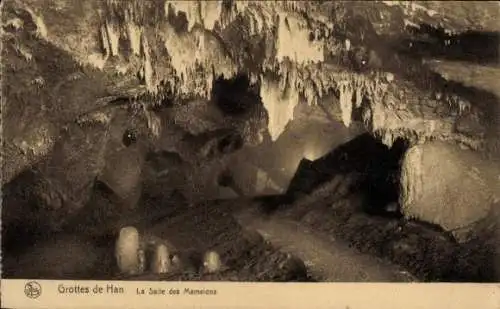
[(160, 262), (211, 262), (123, 172), (448, 186), (188, 60), (126, 250)]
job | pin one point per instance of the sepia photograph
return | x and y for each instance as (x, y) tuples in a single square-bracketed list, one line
[(250, 141)]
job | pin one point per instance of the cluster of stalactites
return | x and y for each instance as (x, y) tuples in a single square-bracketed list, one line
[(189, 61)]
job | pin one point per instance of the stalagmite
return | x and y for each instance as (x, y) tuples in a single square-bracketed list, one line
[(160, 262), (127, 250), (211, 262)]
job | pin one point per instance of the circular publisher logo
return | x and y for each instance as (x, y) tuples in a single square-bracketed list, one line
[(32, 289)]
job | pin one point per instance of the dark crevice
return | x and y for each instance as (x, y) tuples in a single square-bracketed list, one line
[(381, 187), (230, 143), (226, 179), (403, 56), (129, 137), (227, 4), (431, 43), (471, 46), (357, 113), (120, 101), (164, 158), (103, 189), (235, 96), (178, 21), (377, 165)]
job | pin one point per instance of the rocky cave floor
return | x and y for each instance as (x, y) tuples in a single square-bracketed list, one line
[(324, 235)]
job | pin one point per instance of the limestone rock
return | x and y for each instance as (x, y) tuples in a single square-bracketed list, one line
[(211, 262), (123, 173), (448, 186), (160, 261), (136, 47), (126, 250), (76, 160)]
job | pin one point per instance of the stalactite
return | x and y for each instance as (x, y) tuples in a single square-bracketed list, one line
[(359, 95), (113, 35), (149, 77), (310, 93), (194, 58), (346, 93), (303, 50), (190, 8), (41, 28), (279, 105), (134, 34), (105, 40), (211, 12)]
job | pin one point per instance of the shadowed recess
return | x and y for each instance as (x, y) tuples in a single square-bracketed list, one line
[(235, 96)]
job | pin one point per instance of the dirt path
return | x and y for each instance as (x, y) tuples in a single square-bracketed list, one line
[(326, 258)]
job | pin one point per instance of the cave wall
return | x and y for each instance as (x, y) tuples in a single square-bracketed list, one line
[(451, 187)]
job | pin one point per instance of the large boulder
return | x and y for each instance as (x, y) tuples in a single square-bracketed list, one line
[(77, 158), (448, 186), (123, 174), (46, 194)]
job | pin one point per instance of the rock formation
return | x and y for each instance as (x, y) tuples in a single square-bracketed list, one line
[(448, 186), (127, 250), (78, 74), (181, 47)]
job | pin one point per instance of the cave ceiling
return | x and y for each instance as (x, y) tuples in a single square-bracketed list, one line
[(400, 66)]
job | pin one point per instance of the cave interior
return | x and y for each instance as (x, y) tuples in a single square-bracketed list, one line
[(215, 165)]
